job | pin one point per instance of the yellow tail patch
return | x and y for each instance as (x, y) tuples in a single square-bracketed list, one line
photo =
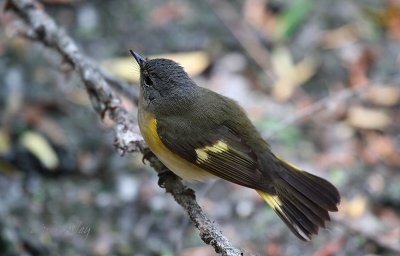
[(290, 164), (277, 204), (273, 201)]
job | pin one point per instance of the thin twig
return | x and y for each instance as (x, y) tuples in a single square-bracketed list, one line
[(42, 28), (330, 101), (122, 86), (244, 35)]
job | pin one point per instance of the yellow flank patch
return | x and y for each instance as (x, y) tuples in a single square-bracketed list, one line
[(181, 167), (273, 201), (153, 134), (218, 147)]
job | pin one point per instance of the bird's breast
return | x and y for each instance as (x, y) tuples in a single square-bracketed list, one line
[(180, 166)]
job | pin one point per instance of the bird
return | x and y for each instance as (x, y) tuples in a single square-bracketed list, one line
[(199, 134)]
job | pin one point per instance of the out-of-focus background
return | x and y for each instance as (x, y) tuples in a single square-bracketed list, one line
[(332, 107)]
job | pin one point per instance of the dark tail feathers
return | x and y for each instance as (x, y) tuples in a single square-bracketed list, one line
[(302, 200)]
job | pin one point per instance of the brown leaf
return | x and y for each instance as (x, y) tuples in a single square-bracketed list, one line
[(273, 249), (359, 68), (353, 208), (198, 251), (290, 74), (380, 148), (331, 248), (368, 118), (168, 12), (340, 37), (384, 95), (258, 16), (392, 18), (36, 116), (389, 215)]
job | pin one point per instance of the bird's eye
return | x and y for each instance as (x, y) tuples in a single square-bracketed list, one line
[(148, 81)]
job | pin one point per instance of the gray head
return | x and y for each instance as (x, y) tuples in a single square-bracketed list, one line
[(163, 83)]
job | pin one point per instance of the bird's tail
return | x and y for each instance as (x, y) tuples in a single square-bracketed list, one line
[(302, 200)]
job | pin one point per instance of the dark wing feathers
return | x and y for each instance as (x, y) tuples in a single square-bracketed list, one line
[(236, 163)]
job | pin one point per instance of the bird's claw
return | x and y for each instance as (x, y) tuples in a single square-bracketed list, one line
[(147, 155), (162, 177)]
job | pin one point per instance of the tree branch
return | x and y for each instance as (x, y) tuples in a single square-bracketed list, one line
[(42, 28)]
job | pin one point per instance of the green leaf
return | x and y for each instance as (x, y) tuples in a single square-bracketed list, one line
[(292, 17)]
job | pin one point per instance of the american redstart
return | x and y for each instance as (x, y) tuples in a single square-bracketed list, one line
[(199, 134)]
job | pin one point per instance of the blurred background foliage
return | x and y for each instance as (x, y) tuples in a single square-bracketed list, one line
[(320, 79)]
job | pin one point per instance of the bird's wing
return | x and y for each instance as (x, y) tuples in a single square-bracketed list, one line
[(219, 151)]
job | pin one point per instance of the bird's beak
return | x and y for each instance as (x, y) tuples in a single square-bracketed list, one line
[(139, 58)]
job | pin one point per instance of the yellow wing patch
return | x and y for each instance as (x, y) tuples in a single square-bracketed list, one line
[(218, 147)]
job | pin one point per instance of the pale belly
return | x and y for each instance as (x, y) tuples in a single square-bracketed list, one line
[(181, 167)]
